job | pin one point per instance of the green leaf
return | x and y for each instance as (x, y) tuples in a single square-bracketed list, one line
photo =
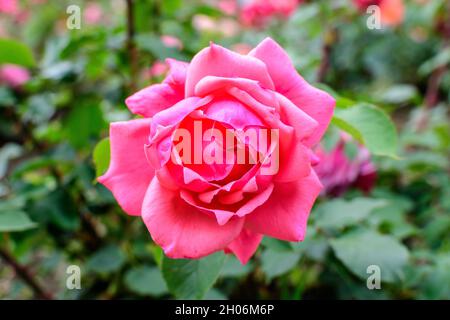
[(83, 123), (233, 268), (363, 248), (432, 286), (59, 208), (15, 221), (369, 125), (191, 279), (214, 294), (12, 51), (145, 280), (398, 94), (108, 259), (439, 60), (101, 157), (276, 263), (277, 245), (340, 213)]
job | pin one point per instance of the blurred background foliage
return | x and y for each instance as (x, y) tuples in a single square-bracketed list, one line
[(53, 144)]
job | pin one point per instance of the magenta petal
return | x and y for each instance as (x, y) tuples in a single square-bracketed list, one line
[(182, 230), (152, 99), (285, 214), (316, 103), (128, 169), (221, 62), (245, 245), (295, 161)]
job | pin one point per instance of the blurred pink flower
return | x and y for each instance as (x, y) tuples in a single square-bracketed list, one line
[(171, 42), (392, 11), (13, 75), (228, 7), (10, 7), (242, 48), (226, 26), (258, 12), (93, 13), (338, 172), (158, 69)]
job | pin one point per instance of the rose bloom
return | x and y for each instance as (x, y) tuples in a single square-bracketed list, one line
[(13, 75), (258, 12), (194, 209), (392, 11), (338, 172)]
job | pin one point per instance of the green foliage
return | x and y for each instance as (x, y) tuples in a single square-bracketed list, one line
[(276, 263), (359, 250), (15, 221), (106, 260), (369, 125), (191, 279), (339, 213), (145, 281), (15, 52), (101, 157)]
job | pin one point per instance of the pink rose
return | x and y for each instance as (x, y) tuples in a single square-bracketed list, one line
[(338, 172), (258, 12), (13, 76), (392, 11), (193, 209)]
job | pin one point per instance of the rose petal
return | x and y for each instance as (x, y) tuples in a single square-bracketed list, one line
[(285, 214), (180, 229), (128, 169), (245, 245), (221, 62), (316, 103), (152, 99)]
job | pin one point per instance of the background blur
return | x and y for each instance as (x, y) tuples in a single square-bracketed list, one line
[(60, 87)]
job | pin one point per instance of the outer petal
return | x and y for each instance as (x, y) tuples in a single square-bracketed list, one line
[(129, 169), (316, 103), (180, 229), (209, 84), (157, 97), (218, 61), (245, 245), (285, 214)]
